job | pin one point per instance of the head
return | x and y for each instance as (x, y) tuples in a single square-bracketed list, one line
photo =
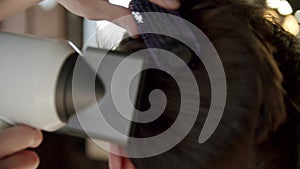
[(260, 61)]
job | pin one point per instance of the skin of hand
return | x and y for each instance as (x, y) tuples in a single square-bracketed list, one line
[(91, 9), (13, 144), (168, 4), (103, 10)]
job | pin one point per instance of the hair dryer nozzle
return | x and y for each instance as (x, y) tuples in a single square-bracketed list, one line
[(84, 95)]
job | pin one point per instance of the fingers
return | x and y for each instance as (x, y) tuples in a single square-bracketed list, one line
[(117, 161), (21, 160), (13, 141), (18, 138), (117, 14), (114, 12), (168, 4), (102, 9), (120, 16)]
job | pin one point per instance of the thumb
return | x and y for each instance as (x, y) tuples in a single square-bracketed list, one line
[(118, 15)]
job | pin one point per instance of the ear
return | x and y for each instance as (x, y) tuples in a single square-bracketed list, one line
[(118, 162)]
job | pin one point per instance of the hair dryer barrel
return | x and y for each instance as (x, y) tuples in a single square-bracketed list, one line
[(35, 78)]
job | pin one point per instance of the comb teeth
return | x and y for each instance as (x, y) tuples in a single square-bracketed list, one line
[(170, 24)]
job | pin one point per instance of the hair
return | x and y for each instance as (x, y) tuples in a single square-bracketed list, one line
[(259, 128)]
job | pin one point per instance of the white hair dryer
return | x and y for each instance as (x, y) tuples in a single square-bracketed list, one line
[(36, 86)]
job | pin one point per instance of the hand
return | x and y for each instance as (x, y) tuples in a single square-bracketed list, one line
[(168, 4), (103, 10), (13, 142)]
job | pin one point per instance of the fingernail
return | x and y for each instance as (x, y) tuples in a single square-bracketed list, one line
[(38, 138)]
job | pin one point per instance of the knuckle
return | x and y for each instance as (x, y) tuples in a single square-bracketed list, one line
[(34, 136)]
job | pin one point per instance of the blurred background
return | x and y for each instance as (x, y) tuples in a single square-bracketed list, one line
[(64, 152)]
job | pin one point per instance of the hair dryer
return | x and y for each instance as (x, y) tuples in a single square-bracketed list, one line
[(37, 86)]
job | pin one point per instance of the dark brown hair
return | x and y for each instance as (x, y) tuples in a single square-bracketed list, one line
[(259, 128)]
